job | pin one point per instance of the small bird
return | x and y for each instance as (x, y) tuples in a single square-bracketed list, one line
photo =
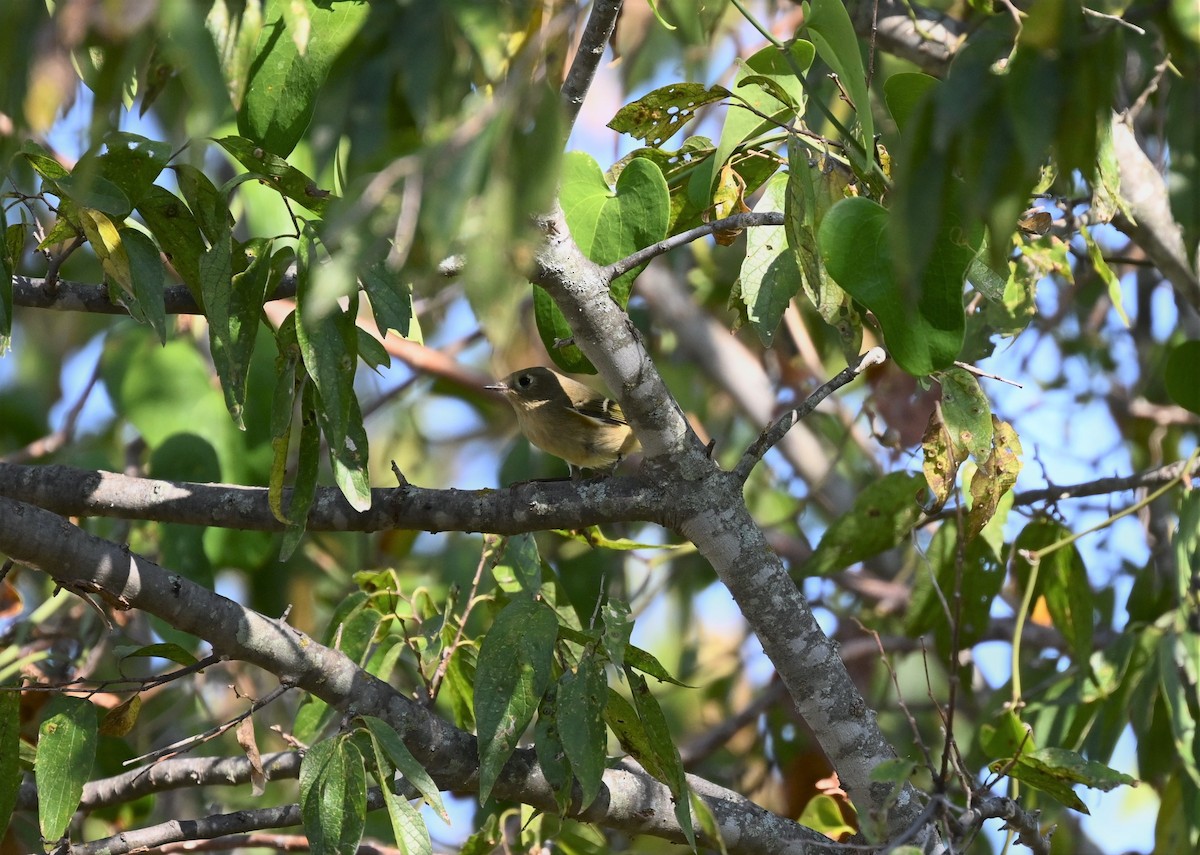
[(568, 419)]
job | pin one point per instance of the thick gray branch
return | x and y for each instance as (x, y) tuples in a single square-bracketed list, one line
[(1153, 227), (533, 506), (596, 33), (709, 510)]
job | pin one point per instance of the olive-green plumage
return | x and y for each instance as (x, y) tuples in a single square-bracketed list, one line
[(568, 419)]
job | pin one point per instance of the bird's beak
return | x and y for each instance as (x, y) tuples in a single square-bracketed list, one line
[(497, 387)]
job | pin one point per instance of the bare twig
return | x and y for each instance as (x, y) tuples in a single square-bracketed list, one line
[(775, 432), (1102, 486), (212, 733), (979, 372), (737, 221)]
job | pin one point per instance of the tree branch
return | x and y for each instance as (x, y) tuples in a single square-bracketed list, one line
[(1102, 486), (532, 506), (734, 368), (66, 296), (922, 36), (772, 434), (173, 774), (1152, 226), (745, 220), (596, 33), (630, 800), (708, 508)]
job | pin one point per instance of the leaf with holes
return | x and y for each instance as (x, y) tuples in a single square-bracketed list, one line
[(658, 115)]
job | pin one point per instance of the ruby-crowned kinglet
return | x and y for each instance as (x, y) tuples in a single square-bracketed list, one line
[(568, 419)]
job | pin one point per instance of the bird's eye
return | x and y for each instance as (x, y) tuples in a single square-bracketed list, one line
[(525, 381)]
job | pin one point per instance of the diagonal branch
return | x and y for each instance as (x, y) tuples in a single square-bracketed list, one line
[(775, 432), (745, 220), (596, 33), (708, 508)]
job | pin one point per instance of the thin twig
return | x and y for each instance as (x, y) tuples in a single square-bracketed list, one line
[(212, 733), (1150, 478), (978, 372), (776, 431), (747, 220)]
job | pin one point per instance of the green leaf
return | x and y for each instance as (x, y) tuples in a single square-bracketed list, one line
[(828, 23), (1182, 366), (520, 567), (131, 163), (814, 185), (161, 650), (328, 345), (390, 296), (967, 413), (209, 205), (976, 575), (548, 745), (289, 381), (333, 796), (618, 627), (277, 173), (391, 744), (924, 330), (1096, 256), (409, 829), (371, 350), (626, 725), (10, 250), (742, 124), (769, 276), (512, 674), (234, 304), (1007, 738), (308, 459), (1063, 581), (902, 91), (66, 749), (175, 229), (1055, 771), (148, 277), (191, 52), (1179, 666), (662, 746), (823, 814), (636, 657), (582, 696), (608, 225), (658, 115), (883, 515), (10, 754), (298, 43)]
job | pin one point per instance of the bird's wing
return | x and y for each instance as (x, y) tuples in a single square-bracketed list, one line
[(603, 410)]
